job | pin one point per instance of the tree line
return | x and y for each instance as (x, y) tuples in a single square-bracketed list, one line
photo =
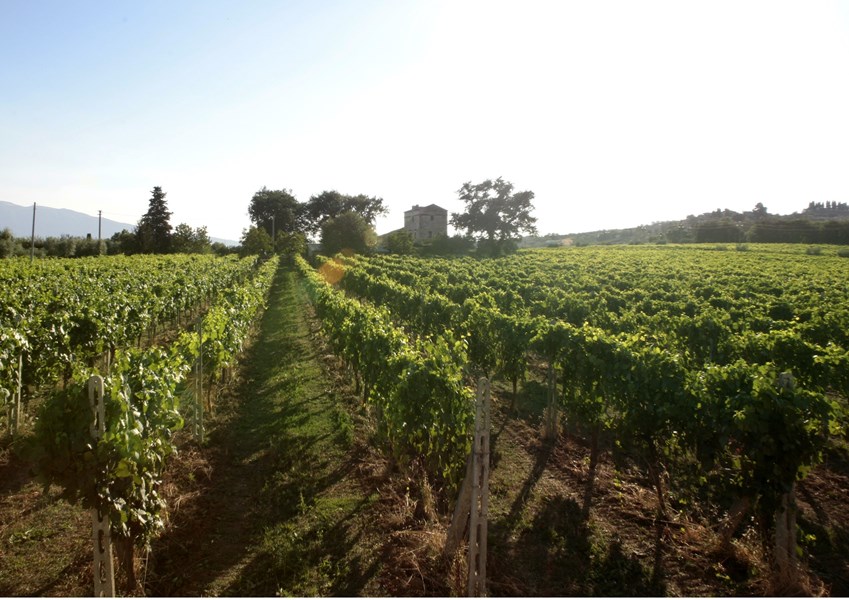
[(494, 218), (774, 230), (820, 223), (154, 234), (282, 224), (495, 215)]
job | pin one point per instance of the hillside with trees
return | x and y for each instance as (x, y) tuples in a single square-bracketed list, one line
[(819, 223)]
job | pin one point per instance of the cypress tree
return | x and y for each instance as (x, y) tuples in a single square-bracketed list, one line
[(154, 229)]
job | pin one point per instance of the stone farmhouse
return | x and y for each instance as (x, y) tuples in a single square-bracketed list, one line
[(426, 222)]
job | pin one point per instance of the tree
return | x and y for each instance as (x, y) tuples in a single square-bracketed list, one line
[(291, 244), (220, 249), (718, 231), (190, 241), (8, 245), (201, 240), (276, 211), (494, 212), (760, 211), (154, 229), (399, 242), (123, 242), (255, 241), (181, 241), (369, 207), (349, 232), (88, 246), (331, 204)]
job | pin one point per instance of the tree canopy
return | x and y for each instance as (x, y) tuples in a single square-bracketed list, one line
[(255, 240), (349, 232), (331, 204), (154, 228), (276, 211), (190, 241), (290, 244), (494, 212), (399, 242)]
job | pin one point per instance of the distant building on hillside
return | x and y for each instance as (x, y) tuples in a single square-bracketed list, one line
[(426, 222)]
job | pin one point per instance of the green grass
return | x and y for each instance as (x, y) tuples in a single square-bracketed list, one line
[(286, 512), (306, 543), (44, 549)]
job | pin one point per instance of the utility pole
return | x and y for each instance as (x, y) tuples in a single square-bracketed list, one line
[(32, 239), (99, 219)]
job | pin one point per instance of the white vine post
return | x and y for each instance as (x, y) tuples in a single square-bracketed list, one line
[(480, 493), (104, 571)]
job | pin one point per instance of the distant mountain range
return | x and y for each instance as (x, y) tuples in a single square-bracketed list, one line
[(56, 222)]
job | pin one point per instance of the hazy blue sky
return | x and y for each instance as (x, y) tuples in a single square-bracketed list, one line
[(613, 113)]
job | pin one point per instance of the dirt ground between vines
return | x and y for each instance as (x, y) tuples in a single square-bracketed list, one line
[(288, 497)]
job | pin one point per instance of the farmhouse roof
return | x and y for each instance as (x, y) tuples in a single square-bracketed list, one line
[(428, 208)]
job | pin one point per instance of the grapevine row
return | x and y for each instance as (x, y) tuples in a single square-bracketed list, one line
[(695, 298), (423, 408), (753, 422), (120, 474), (58, 313)]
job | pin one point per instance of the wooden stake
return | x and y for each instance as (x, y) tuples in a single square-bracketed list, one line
[(473, 502), (551, 412), (460, 518), (15, 422), (199, 404), (104, 570), (480, 494)]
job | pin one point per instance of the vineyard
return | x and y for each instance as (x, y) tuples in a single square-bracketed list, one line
[(666, 420), (722, 376), (142, 326)]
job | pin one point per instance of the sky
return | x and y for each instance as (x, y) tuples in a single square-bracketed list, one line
[(614, 113)]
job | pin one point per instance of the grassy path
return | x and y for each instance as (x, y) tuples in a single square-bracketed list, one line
[(272, 505)]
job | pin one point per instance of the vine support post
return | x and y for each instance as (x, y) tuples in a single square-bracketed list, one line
[(461, 512), (473, 502), (785, 540), (199, 398), (786, 562), (551, 416), (480, 493), (104, 570), (15, 420)]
